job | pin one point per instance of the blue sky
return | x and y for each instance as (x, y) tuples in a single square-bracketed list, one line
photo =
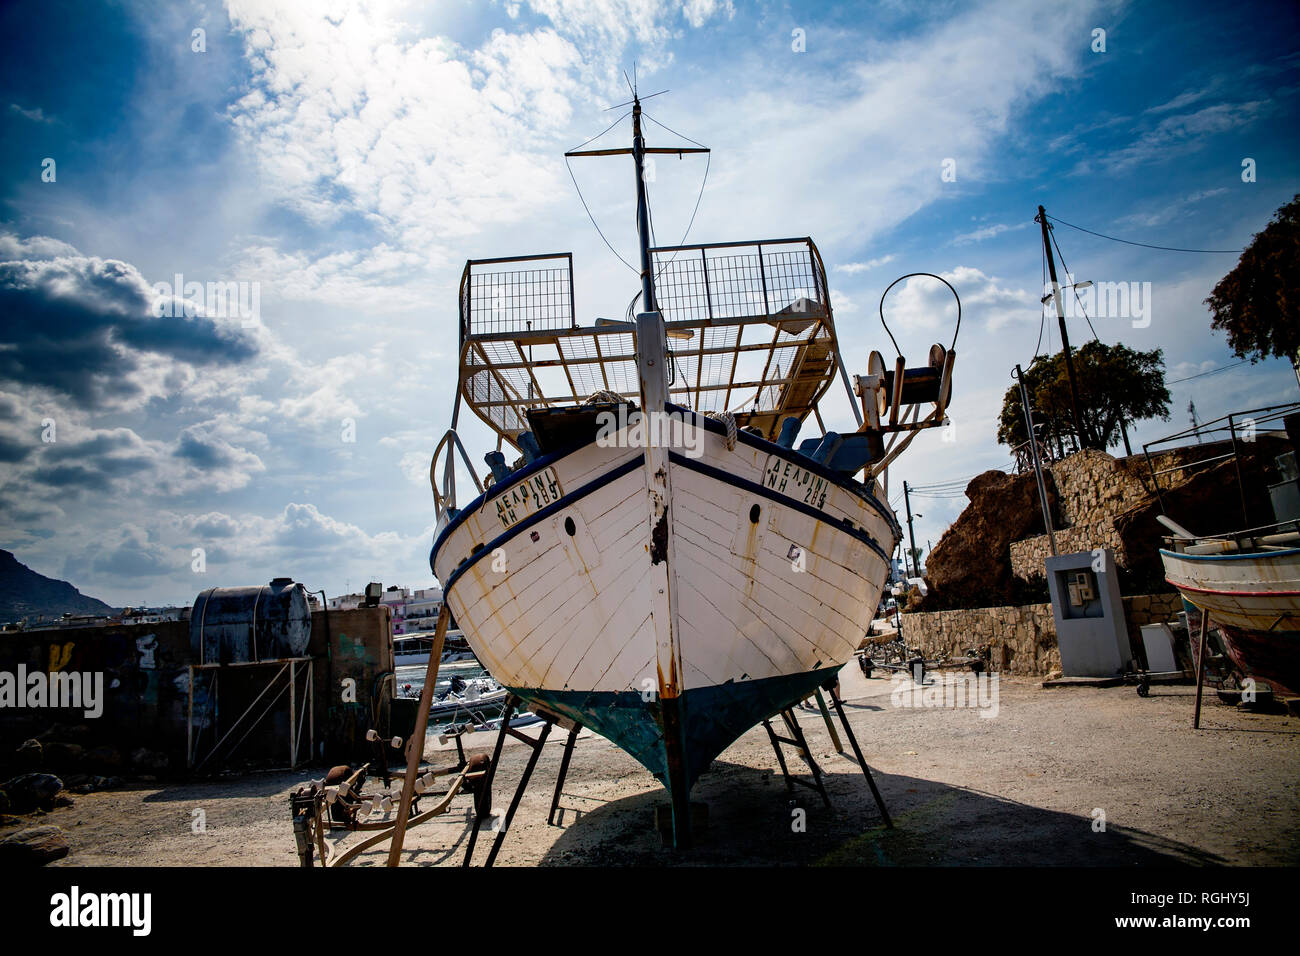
[(348, 158)]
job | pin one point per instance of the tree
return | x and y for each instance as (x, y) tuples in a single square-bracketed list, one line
[(1116, 384), (1258, 302)]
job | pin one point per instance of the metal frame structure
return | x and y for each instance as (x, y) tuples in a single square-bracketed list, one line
[(1232, 424), (800, 743), (298, 717), (756, 307)]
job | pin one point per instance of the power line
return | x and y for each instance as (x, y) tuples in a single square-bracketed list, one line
[(1213, 371), (1144, 245), (942, 488), (1073, 287)]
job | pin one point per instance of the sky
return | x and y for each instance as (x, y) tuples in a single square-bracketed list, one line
[(337, 162)]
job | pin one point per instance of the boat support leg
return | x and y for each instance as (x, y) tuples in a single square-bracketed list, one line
[(796, 739), (857, 752), (1200, 669), (564, 770), (512, 702)]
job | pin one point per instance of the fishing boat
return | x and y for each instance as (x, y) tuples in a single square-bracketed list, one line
[(666, 561), (1248, 583)]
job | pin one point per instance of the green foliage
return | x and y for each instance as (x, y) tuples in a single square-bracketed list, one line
[(1114, 381), (1258, 302)]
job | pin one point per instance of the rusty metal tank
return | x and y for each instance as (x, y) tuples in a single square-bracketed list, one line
[(250, 624)]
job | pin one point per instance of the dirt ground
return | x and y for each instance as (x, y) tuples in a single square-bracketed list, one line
[(1027, 787)]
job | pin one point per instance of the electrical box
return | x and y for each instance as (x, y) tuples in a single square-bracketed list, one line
[(1082, 588), (1091, 628)]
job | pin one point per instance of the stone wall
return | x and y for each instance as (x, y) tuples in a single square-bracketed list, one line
[(1021, 640), (1093, 488)]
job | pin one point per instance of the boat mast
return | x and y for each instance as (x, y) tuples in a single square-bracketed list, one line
[(642, 210), (638, 153)]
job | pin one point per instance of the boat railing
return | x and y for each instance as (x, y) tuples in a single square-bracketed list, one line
[(772, 278), (517, 294), (749, 327), (444, 498), (1275, 536), (1210, 443)]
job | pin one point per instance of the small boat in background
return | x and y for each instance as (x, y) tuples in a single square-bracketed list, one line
[(1249, 584), (411, 649)]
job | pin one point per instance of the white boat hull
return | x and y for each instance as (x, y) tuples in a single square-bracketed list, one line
[(755, 591), (1255, 599)]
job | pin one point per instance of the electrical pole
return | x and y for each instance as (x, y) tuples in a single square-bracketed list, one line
[(907, 502), (1038, 465), (1065, 338)]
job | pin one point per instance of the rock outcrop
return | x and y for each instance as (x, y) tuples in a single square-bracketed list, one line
[(972, 562)]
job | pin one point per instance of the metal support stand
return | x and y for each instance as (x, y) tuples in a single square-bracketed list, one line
[(857, 752), (512, 704), (415, 746), (564, 770), (796, 739), (1200, 668), (826, 716)]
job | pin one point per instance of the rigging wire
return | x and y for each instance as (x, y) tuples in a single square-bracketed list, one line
[(1073, 288), (1144, 245), (569, 164), (708, 162)]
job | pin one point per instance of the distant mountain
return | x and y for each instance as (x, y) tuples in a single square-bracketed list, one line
[(24, 593)]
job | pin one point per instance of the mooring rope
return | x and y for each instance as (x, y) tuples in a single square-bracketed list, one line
[(729, 420)]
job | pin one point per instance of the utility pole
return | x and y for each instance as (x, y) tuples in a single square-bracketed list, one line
[(907, 502), (1038, 465), (1065, 337)]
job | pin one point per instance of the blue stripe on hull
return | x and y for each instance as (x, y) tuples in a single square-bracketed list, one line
[(712, 717)]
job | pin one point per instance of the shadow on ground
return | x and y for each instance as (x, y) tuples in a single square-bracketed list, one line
[(751, 822), (261, 784)]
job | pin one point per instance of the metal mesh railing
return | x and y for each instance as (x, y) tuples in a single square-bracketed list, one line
[(735, 280), (532, 293)]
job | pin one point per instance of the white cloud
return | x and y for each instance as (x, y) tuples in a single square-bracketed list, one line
[(988, 232), (1179, 134), (853, 268)]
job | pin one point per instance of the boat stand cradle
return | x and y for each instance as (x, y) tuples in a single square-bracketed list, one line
[(501, 823), (800, 743), (336, 801)]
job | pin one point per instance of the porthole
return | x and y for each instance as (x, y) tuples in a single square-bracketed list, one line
[(570, 527), (753, 514)]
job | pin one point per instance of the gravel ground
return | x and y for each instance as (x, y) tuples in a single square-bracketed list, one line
[(1026, 787)]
